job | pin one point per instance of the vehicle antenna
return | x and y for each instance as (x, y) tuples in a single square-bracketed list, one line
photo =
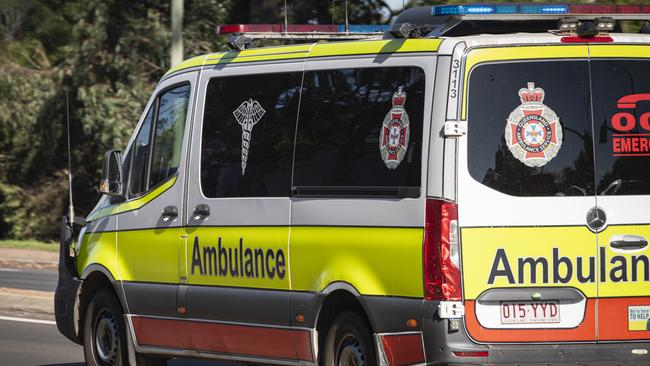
[(347, 23), (286, 21), (67, 117)]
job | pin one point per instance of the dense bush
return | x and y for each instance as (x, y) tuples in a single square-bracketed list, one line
[(109, 54)]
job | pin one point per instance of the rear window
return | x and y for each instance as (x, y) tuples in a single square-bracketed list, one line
[(360, 132), (529, 128), (622, 120)]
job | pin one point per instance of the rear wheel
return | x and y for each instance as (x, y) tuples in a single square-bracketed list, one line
[(349, 342), (104, 336)]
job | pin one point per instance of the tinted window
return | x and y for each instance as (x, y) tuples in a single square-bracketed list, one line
[(344, 116), (168, 139), (540, 146), (622, 120), (148, 170), (139, 154), (248, 131)]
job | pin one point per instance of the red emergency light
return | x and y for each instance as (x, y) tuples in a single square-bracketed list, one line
[(608, 9), (247, 28)]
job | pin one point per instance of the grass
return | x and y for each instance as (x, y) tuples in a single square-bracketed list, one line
[(29, 244)]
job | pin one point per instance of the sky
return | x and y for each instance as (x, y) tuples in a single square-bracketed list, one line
[(395, 4)]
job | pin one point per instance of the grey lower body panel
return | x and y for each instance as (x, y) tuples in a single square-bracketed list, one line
[(146, 298), (237, 304), (571, 354), (440, 342), (390, 314)]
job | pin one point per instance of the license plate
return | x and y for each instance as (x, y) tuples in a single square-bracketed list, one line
[(530, 312)]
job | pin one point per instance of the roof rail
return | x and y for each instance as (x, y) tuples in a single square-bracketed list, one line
[(468, 19), (242, 36)]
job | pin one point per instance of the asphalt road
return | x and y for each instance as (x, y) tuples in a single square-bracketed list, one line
[(28, 279), (36, 344), (28, 344), (31, 344)]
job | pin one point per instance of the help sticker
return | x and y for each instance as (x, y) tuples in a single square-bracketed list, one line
[(638, 318)]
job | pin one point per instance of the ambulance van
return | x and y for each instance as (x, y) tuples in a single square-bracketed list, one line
[(471, 186)]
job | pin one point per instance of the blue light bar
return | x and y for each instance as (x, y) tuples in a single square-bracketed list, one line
[(364, 28), (462, 9), (507, 9), (544, 9), (474, 9)]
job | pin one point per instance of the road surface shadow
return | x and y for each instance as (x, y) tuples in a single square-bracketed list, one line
[(172, 362)]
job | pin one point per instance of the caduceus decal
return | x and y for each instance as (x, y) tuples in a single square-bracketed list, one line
[(247, 115)]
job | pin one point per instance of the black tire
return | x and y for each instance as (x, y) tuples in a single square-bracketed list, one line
[(349, 342), (104, 335)]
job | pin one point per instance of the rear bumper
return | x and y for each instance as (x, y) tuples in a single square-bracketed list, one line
[(440, 344), (66, 289), (585, 354)]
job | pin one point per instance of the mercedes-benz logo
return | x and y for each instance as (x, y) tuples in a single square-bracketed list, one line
[(596, 219)]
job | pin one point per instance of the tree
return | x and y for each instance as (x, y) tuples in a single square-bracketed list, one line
[(111, 53)]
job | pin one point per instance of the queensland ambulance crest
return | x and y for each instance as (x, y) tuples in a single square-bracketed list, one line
[(533, 132), (394, 138)]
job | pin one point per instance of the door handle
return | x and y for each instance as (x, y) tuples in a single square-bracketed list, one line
[(201, 211), (170, 213), (628, 242)]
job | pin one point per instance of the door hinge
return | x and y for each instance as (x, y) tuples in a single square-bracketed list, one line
[(455, 128)]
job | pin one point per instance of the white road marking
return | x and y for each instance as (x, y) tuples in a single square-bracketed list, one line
[(9, 270), (27, 320)]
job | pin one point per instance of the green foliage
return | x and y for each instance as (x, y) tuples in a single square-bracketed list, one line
[(111, 54), (333, 12)]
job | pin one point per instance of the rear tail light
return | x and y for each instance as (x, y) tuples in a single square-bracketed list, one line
[(441, 252)]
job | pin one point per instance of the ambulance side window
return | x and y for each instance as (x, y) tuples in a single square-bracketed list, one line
[(519, 148), (155, 152), (168, 135), (139, 157), (621, 91), (342, 116), (247, 135)]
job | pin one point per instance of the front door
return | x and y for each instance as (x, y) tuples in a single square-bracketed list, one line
[(525, 188), (621, 99), (149, 222), (239, 211)]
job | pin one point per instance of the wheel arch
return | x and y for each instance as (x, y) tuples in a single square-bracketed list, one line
[(338, 298), (94, 278)]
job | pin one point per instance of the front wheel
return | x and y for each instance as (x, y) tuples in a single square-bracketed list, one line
[(104, 336), (349, 342)]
